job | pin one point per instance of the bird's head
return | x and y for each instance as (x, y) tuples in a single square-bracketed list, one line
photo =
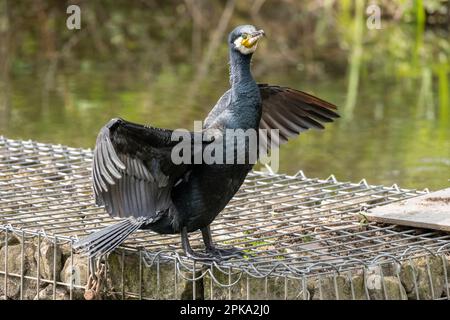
[(245, 39)]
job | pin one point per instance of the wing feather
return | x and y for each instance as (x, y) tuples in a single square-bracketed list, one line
[(292, 112), (128, 177)]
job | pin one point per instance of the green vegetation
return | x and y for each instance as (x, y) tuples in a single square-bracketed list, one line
[(307, 238), (148, 61)]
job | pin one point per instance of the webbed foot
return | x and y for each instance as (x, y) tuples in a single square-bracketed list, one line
[(225, 253), (202, 256)]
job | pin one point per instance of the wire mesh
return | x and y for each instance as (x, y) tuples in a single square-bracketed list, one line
[(291, 228)]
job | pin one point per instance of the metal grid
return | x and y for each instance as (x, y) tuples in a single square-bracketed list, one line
[(288, 226)]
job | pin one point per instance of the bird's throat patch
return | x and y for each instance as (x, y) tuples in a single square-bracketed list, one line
[(247, 43), (245, 46)]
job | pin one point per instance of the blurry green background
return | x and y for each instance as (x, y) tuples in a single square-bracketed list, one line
[(164, 63)]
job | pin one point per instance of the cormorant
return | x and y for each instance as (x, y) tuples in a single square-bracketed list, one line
[(135, 178)]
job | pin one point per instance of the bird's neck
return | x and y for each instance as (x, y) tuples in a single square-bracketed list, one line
[(245, 101), (240, 69)]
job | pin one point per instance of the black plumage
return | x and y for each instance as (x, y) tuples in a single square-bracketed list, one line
[(135, 178)]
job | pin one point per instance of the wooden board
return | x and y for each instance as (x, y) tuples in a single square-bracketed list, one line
[(430, 211)]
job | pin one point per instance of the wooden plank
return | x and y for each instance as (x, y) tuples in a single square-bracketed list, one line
[(429, 211)]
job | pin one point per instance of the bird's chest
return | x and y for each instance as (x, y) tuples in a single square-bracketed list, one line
[(244, 113)]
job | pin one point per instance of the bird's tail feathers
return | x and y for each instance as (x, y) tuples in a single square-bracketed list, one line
[(106, 240)]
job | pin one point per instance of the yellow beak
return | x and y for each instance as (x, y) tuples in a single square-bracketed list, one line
[(253, 39)]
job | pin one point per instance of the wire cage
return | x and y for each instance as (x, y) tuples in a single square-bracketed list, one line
[(303, 238)]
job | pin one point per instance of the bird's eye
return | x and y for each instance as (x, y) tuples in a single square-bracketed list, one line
[(244, 36)]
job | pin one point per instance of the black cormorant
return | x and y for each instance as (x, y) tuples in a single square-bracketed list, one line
[(135, 178)]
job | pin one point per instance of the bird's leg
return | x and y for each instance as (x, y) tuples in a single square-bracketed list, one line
[(221, 253), (191, 253)]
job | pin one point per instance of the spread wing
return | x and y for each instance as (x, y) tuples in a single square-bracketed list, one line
[(291, 111), (132, 169)]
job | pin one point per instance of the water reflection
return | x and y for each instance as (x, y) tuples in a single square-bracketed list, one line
[(392, 86)]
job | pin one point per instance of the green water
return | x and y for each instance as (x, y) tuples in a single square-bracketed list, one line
[(393, 96)]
